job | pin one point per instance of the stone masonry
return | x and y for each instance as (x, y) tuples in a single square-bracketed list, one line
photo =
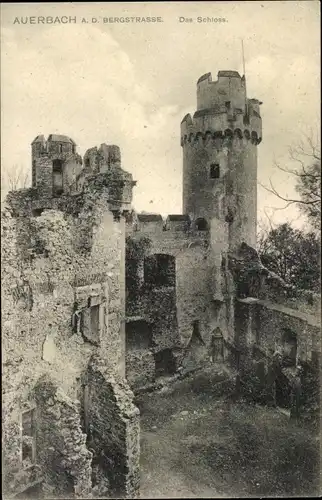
[(63, 300), (196, 288), (97, 299)]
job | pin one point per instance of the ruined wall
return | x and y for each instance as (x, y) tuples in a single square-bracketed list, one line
[(61, 443), (114, 430), (102, 159), (273, 370), (140, 365), (173, 311), (276, 338), (269, 321), (54, 267), (266, 306)]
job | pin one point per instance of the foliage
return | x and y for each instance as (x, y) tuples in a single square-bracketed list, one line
[(136, 248), (309, 188), (135, 251), (311, 395), (294, 255)]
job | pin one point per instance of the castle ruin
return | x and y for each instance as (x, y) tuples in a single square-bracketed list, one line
[(99, 301)]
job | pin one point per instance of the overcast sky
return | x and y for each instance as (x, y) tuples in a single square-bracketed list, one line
[(131, 84)]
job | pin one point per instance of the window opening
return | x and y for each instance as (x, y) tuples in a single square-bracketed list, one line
[(214, 171)]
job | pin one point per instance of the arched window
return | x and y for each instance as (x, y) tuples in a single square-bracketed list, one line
[(57, 177), (201, 224), (214, 171), (159, 270)]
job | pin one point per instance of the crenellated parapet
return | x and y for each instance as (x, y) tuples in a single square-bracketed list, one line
[(223, 111), (56, 144), (212, 126), (174, 227), (229, 87)]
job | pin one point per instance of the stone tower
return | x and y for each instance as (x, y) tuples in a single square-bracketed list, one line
[(55, 164), (220, 157)]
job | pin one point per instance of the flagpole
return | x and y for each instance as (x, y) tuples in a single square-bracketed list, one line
[(243, 57)]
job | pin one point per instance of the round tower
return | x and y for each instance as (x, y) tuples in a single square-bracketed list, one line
[(220, 156)]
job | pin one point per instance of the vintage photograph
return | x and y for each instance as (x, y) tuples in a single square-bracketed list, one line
[(160, 249)]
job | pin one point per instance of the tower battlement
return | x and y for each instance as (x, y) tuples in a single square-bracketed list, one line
[(178, 224), (56, 145), (229, 86), (220, 125), (223, 110)]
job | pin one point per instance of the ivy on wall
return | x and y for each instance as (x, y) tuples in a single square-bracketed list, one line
[(135, 252)]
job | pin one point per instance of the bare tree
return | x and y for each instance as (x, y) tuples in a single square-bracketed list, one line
[(16, 177), (306, 157), (264, 227)]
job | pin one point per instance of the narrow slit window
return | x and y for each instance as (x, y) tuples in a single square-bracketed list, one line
[(214, 171), (95, 318)]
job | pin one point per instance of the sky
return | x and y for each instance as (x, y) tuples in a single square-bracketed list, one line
[(130, 84)]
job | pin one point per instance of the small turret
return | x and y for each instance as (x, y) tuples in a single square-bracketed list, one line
[(228, 92), (102, 159), (55, 164)]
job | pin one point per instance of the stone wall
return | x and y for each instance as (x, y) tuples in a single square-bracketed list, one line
[(61, 443), (272, 370), (114, 430), (171, 311), (55, 268), (140, 365), (277, 343)]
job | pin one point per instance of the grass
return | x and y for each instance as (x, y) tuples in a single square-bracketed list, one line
[(196, 443)]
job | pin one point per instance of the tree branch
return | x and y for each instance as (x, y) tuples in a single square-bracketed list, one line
[(288, 200)]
